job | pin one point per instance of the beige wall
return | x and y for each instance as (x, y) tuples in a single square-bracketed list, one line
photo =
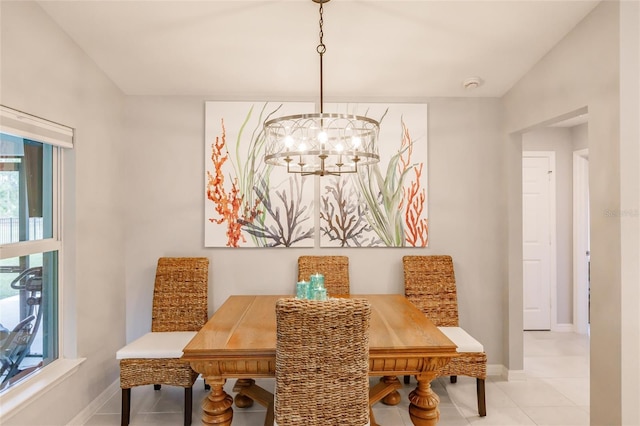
[(580, 137), (583, 70), (630, 202), (164, 170), (47, 75)]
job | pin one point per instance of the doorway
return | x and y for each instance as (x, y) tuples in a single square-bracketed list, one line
[(538, 238), (568, 300)]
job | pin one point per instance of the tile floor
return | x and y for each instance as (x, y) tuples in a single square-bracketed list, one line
[(555, 392)]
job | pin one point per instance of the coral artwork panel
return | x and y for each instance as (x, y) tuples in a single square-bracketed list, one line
[(247, 202), (385, 204)]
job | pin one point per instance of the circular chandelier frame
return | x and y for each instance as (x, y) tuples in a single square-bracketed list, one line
[(321, 143)]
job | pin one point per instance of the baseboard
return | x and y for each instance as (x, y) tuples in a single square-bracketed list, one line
[(515, 375), (563, 328), (499, 370), (496, 370), (95, 405)]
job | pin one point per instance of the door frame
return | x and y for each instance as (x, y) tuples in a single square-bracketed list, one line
[(553, 272), (580, 240)]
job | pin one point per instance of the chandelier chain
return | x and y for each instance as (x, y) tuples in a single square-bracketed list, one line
[(321, 49)]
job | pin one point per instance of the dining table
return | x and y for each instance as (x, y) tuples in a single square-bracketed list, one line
[(239, 342)]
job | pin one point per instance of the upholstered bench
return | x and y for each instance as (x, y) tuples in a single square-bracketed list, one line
[(154, 359), (472, 362), (463, 340)]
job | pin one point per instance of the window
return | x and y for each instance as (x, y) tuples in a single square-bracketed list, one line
[(30, 242)]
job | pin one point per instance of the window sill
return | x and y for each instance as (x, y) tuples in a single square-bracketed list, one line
[(24, 392)]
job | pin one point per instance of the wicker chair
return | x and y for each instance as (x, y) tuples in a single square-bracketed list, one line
[(334, 268), (430, 284), (322, 362), (179, 311)]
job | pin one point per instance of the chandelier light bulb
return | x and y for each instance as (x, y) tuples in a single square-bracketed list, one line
[(322, 137), (288, 141), (356, 141)]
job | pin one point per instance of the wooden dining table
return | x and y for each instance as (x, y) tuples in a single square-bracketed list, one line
[(239, 341)]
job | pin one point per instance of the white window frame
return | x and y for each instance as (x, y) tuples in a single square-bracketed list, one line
[(61, 137)]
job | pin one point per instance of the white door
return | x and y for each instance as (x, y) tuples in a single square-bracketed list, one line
[(538, 225)]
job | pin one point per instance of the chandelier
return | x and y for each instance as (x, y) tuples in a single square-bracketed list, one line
[(321, 143)]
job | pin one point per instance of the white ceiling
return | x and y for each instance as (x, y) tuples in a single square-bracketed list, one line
[(263, 49)]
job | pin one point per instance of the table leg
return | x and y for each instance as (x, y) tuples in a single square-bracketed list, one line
[(241, 400), (386, 391), (423, 407), (393, 397), (216, 406)]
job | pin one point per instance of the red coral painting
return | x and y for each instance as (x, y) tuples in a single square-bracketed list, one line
[(247, 202)]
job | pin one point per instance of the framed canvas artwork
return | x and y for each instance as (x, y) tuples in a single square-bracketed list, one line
[(385, 204), (249, 203)]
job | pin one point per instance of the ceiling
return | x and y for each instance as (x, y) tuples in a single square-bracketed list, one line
[(265, 49)]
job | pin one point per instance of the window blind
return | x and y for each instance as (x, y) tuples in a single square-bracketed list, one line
[(21, 124)]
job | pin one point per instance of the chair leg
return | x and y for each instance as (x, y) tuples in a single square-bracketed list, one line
[(407, 379), (372, 419), (453, 379), (188, 405), (157, 387), (482, 403), (126, 407), (269, 418)]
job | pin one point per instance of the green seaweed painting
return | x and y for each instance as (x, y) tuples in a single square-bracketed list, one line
[(384, 204)]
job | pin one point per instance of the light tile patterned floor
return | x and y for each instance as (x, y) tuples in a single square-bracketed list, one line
[(556, 392)]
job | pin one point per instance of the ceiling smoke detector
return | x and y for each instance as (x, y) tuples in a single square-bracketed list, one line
[(472, 83)]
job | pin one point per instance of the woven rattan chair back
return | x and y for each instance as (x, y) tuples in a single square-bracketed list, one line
[(322, 362), (430, 284), (180, 294), (334, 268), (179, 304)]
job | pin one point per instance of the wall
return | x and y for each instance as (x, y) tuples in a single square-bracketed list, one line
[(583, 70), (46, 74), (559, 141), (630, 202), (580, 137), (164, 170)]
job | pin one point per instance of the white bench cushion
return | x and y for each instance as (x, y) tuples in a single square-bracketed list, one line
[(165, 344), (462, 339)]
